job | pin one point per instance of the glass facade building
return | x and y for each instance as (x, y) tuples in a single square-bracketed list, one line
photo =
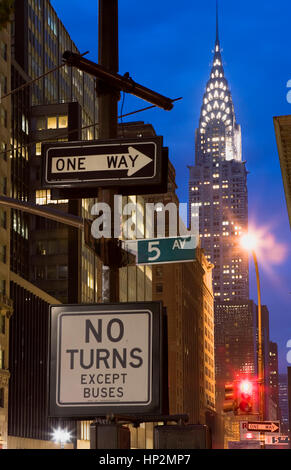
[(5, 188)]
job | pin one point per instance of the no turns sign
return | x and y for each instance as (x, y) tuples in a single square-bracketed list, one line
[(105, 358)]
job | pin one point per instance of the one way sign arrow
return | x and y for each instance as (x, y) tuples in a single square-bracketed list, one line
[(133, 161), (264, 426), (123, 163)]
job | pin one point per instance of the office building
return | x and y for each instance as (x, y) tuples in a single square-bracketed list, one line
[(273, 389), (29, 426), (218, 186), (283, 403), (57, 261), (218, 190), (55, 107), (235, 342), (186, 291), (5, 169)]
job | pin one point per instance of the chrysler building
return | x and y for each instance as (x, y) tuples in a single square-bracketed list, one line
[(218, 186)]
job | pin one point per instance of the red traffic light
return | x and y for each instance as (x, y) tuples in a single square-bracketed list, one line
[(246, 388), (245, 396)]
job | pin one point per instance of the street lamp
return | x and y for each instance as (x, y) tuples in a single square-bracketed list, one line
[(249, 243), (61, 436)]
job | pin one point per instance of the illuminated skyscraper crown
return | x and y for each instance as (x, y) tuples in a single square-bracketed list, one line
[(217, 118)]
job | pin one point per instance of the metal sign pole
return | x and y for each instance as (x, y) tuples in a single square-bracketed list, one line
[(107, 118), (108, 110)]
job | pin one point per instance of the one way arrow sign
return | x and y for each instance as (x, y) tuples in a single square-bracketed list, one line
[(132, 162), (120, 162), (264, 426)]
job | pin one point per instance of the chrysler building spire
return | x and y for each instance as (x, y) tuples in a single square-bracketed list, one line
[(217, 29), (217, 113), (218, 185)]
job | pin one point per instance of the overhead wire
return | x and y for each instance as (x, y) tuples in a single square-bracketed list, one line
[(65, 134)]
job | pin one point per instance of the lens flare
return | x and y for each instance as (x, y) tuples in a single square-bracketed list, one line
[(268, 250)]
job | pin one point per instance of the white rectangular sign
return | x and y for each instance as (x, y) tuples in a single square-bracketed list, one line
[(107, 358), (245, 433), (104, 358)]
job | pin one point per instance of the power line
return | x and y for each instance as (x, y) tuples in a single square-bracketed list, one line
[(21, 87), (59, 135)]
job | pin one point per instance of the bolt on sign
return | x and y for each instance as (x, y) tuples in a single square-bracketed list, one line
[(105, 358)]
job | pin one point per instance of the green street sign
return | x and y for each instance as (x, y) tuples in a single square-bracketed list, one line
[(166, 250)]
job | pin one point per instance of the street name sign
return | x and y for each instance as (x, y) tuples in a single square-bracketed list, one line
[(166, 250), (264, 426), (105, 358), (277, 440), (118, 163)]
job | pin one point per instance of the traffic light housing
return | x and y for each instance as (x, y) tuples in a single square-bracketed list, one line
[(245, 390), (229, 397)]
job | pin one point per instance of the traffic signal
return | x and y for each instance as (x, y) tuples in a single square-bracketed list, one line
[(245, 396), (229, 397)]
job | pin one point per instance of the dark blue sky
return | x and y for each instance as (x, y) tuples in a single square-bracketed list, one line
[(167, 46)]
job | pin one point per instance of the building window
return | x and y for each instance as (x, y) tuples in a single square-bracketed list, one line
[(51, 122), (2, 324), (3, 117), (3, 150), (39, 273), (159, 272), (3, 50), (24, 124), (38, 148), (2, 286), (63, 122), (41, 124), (3, 185), (159, 288), (3, 84), (51, 273), (43, 197), (3, 254), (2, 359), (63, 272), (2, 401), (3, 218)]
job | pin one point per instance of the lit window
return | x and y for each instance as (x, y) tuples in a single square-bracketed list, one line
[(52, 122), (24, 124), (43, 197), (41, 124), (38, 148), (63, 122)]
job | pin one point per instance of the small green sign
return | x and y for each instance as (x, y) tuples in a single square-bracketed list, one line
[(166, 250)]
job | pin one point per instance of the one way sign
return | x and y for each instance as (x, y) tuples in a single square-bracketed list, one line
[(264, 426), (103, 163)]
